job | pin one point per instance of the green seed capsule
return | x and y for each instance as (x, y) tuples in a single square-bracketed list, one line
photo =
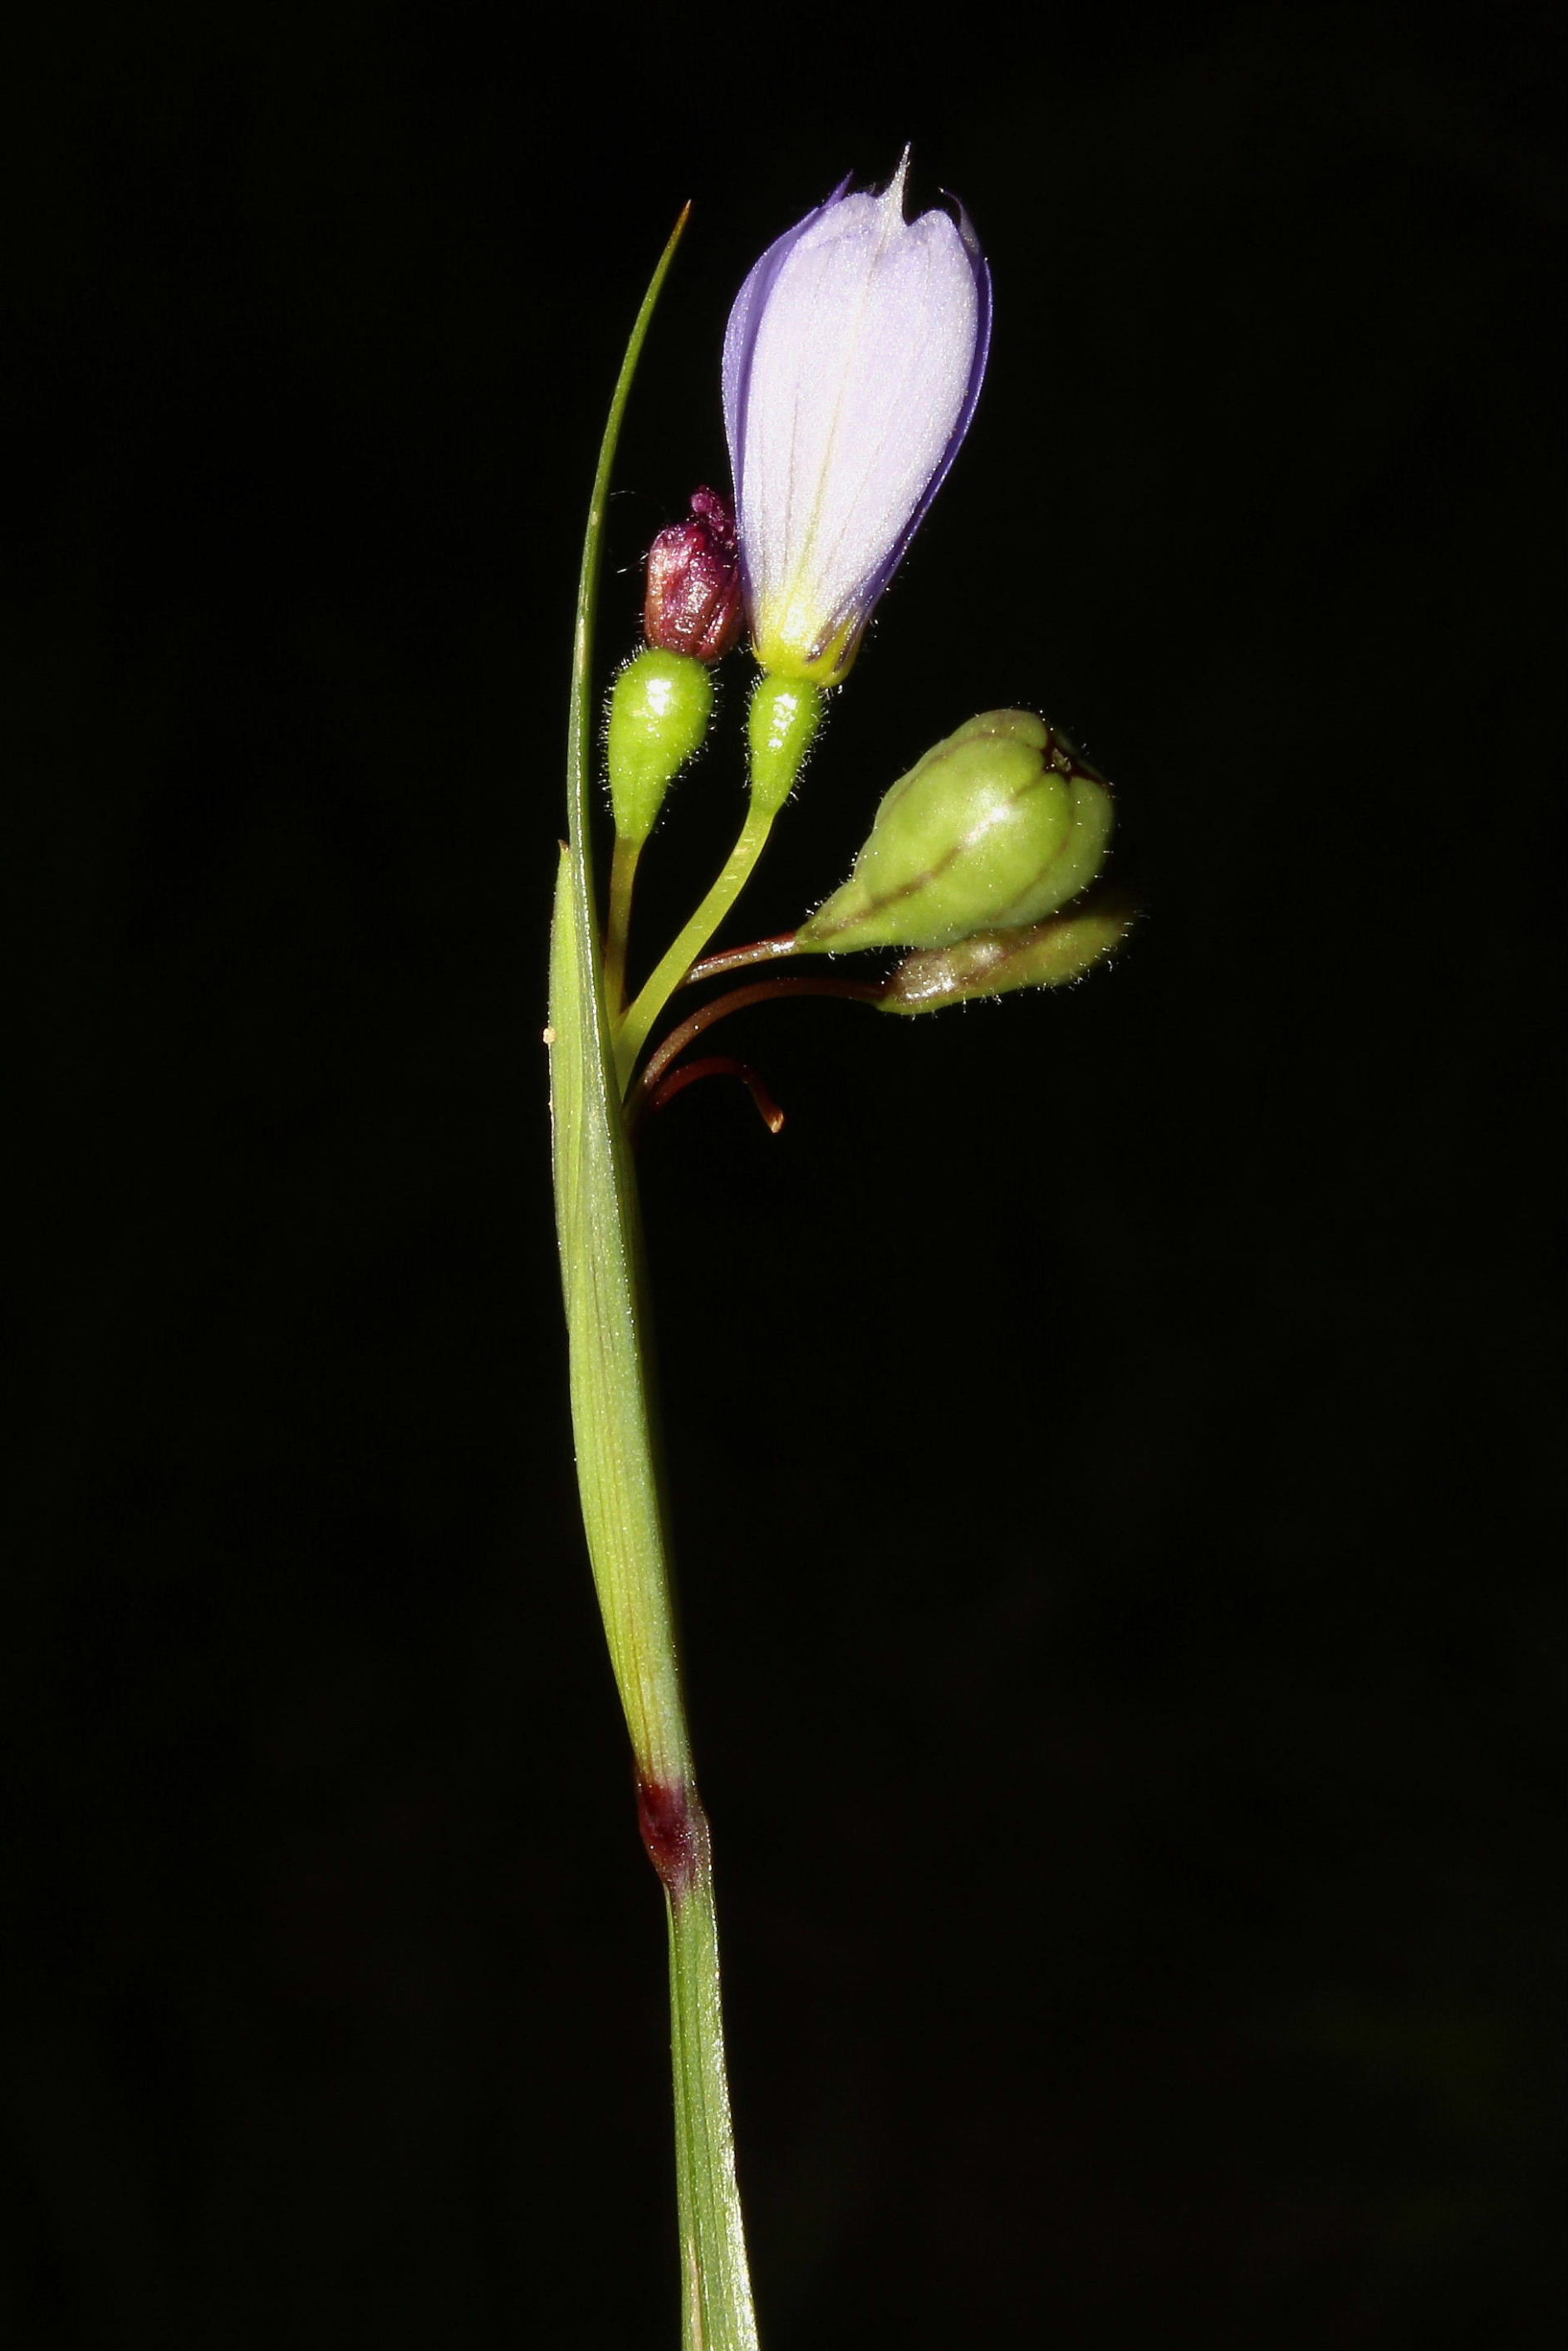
[(993, 829), (659, 713)]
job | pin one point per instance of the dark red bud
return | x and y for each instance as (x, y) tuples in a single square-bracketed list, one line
[(693, 603)]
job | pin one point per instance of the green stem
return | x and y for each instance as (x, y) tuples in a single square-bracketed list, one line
[(632, 1035), (599, 1232), (712, 2268), (618, 931)]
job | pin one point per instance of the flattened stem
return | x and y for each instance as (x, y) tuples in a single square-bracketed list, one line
[(599, 1231)]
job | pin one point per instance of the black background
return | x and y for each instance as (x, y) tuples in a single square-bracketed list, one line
[(1106, 1431)]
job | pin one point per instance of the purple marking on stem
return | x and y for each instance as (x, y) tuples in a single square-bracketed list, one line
[(674, 1831)]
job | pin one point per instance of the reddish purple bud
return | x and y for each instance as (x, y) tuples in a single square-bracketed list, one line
[(693, 603)]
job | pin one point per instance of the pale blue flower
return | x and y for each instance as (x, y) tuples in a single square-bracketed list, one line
[(852, 361)]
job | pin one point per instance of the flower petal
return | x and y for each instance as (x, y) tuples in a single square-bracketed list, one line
[(741, 333), (852, 365)]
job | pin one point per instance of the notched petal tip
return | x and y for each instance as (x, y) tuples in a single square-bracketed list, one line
[(895, 187)]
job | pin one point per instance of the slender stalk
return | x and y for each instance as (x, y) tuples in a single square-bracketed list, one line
[(737, 958), (713, 1065), (617, 930), (599, 1232), (761, 991), (631, 1034)]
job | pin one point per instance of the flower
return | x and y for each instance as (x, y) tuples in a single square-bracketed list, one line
[(693, 599), (852, 361)]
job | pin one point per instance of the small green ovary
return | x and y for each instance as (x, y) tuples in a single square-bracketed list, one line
[(658, 711)]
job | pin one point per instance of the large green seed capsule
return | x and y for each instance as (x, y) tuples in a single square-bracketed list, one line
[(659, 713), (993, 829)]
